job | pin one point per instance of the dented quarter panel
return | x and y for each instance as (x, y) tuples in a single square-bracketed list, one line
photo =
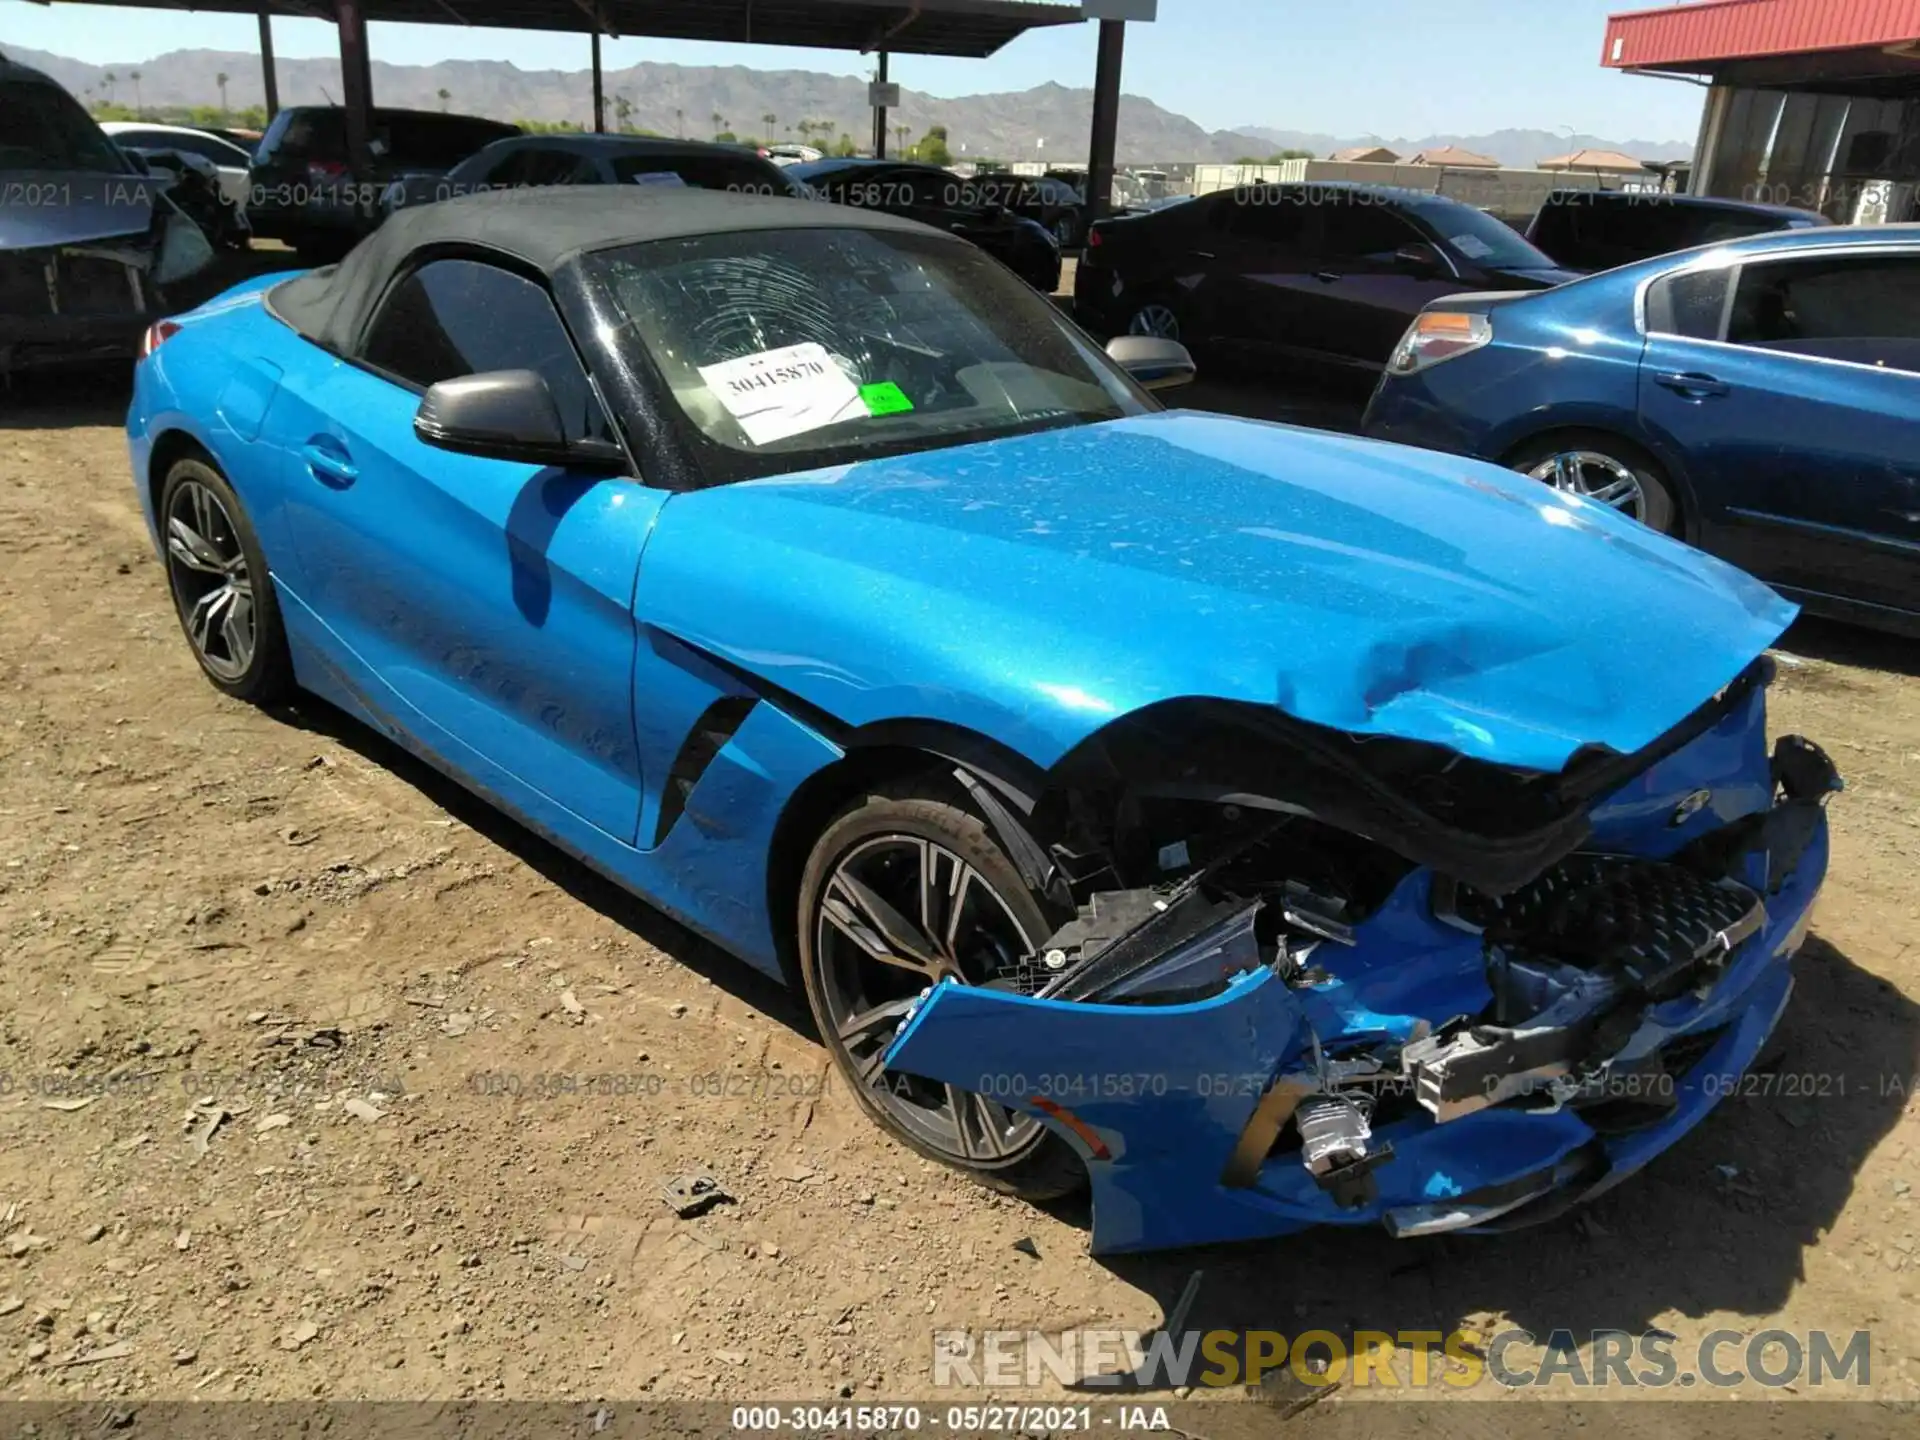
[(1036, 588)]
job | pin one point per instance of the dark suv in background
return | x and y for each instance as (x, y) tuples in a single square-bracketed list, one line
[(1589, 230), (1273, 275), (303, 190)]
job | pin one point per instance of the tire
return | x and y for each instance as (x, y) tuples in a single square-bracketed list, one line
[(879, 841), (221, 588), (1159, 315), (1606, 469)]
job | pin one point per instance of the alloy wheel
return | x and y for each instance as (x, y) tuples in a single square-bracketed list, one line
[(900, 913), (1155, 319), (1597, 477), (211, 583)]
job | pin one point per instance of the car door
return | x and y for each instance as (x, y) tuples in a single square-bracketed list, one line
[(1252, 274), (1359, 296), (1788, 387), (486, 604)]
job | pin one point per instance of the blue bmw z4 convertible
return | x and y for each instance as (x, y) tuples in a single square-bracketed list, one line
[(1262, 827)]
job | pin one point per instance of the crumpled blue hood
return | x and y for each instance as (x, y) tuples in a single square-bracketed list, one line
[(1036, 588)]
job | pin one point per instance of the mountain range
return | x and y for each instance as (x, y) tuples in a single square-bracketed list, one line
[(1517, 148), (1047, 122)]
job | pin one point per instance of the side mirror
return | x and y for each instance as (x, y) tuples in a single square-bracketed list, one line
[(1155, 363), (1418, 259), (505, 415)]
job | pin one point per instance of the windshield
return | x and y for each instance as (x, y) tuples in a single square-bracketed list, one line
[(43, 128), (1488, 242), (788, 350), (709, 170)]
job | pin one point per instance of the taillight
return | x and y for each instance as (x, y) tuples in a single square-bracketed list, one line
[(325, 169), (1437, 336), (157, 335), (1095, 239)]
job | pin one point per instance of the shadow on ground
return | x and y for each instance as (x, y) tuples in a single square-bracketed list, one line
[(556, 866)]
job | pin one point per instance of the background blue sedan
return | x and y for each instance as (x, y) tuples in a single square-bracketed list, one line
[(1759, 399)]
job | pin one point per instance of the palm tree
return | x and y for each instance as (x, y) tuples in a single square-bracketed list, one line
[(134, 75), (221, 81), (622, 108), (108, 79), (719, 122), (770, 120), (903, 131), (680, 122)]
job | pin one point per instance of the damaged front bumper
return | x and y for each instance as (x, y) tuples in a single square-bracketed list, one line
[(1454, 1062)]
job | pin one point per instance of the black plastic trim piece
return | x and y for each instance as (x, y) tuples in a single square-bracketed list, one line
[(716, 726)]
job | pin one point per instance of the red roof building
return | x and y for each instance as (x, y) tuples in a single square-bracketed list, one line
[(1813, 103)]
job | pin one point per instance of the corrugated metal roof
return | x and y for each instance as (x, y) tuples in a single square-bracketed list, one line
[(1699, 37)]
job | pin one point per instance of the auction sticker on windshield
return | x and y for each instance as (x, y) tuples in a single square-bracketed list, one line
[(781, 393)]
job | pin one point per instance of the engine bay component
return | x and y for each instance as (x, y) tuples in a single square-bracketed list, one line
[(1338, 1149)]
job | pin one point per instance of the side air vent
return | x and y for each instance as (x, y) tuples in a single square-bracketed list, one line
[(709, 735)]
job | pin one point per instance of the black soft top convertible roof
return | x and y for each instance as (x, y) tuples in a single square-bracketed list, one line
[(542, 228)]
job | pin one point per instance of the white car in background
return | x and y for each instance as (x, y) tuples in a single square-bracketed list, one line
[(792, 154), (230, 161)]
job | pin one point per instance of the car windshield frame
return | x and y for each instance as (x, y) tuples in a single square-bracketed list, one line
[(803, 286), (67, 138), (1507, 248)]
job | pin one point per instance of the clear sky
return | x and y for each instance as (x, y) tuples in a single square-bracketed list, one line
[(1388, 67)]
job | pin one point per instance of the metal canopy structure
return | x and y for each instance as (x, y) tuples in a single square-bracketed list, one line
[(966, 28), (973, 28)]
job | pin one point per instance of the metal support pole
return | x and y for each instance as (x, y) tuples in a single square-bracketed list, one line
[(356, 82), (880, 116), (599, 96), (1106, 118), (267, 74)]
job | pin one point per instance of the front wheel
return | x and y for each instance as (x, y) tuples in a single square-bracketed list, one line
[(905, 889), (1159, 318), (1606, 469)]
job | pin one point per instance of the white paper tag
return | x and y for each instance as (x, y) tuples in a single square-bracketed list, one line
[(660, 177), (784, 392)]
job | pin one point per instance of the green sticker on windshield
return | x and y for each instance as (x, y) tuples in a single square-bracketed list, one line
[(886, 398)]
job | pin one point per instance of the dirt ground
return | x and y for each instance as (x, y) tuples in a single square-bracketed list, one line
[(268, 987)]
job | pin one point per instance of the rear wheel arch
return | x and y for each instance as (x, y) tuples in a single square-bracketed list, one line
[(169, 448)]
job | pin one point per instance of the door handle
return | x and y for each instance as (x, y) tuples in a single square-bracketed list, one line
[(1692, 384), (1202, 254), (1327, 277), (328, 462)]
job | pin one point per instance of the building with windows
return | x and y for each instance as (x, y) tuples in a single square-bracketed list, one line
[(1812, 103)]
